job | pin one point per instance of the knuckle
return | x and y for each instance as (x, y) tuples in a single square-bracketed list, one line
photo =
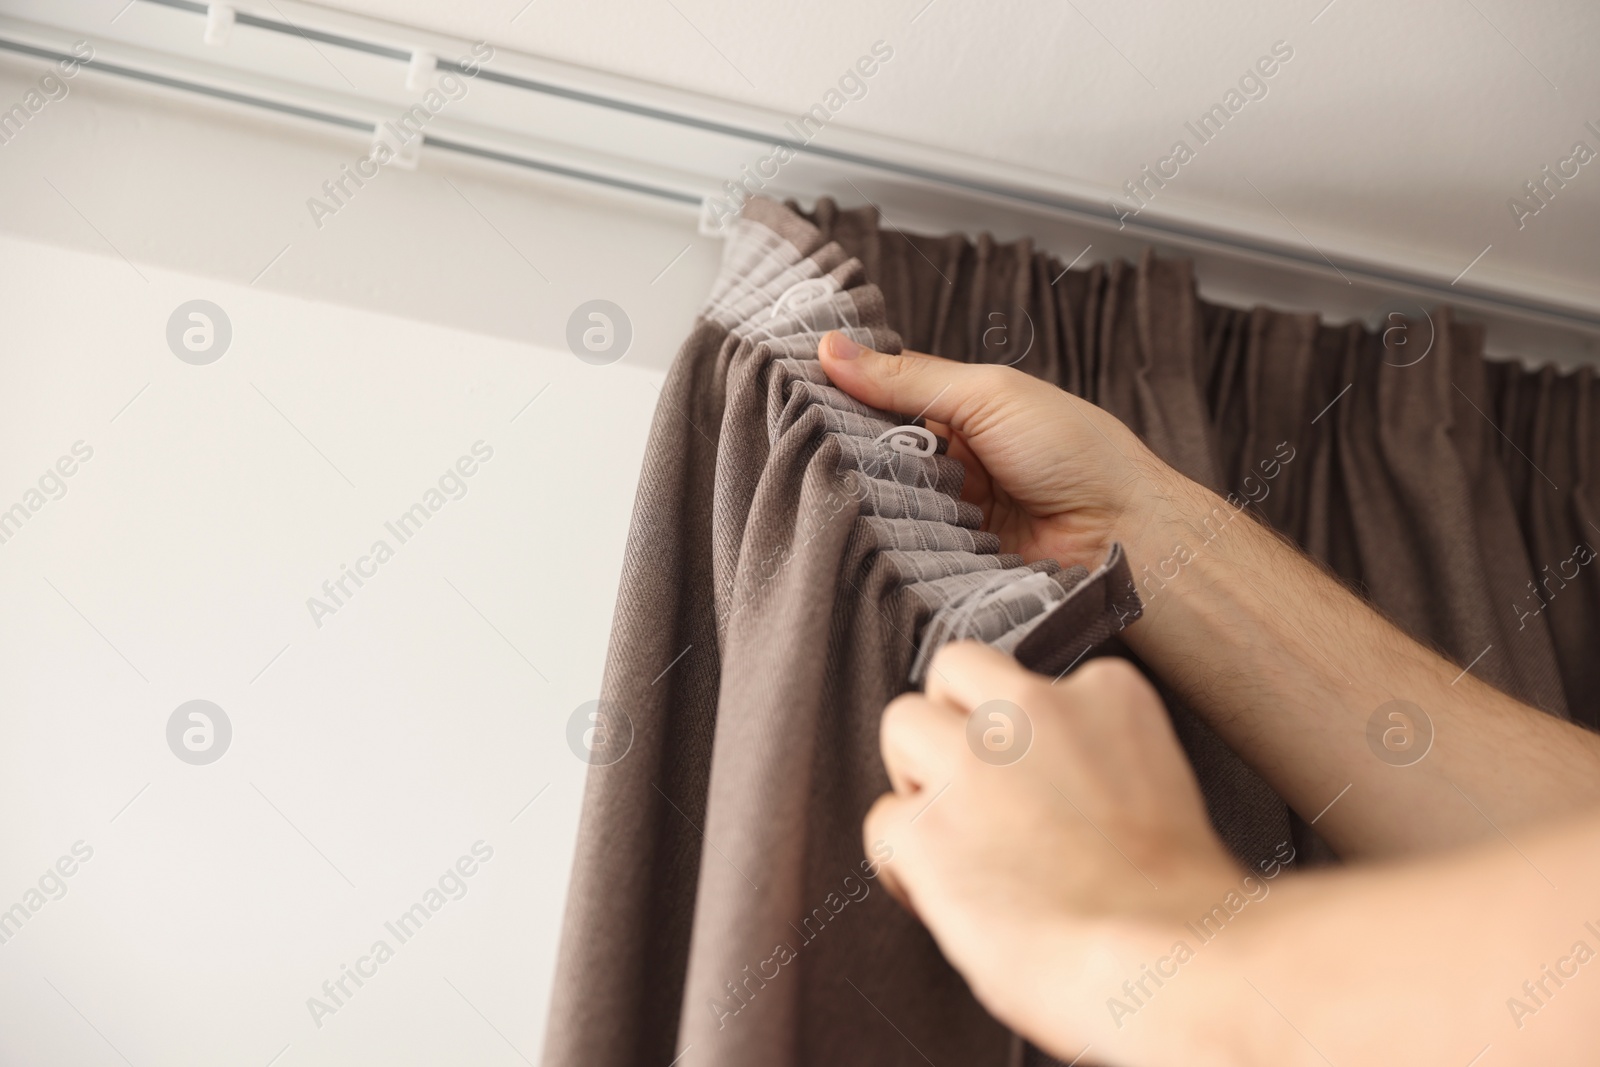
[(1108, 670), (988, 393), (897, 714), (1039, 693), (899, 368), (1006, 382), (945, 656), (899, 724), (1111, 677), (1001, 378), (879, 822)]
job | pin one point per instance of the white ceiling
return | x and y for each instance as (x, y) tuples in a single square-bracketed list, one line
[(1393, 126)]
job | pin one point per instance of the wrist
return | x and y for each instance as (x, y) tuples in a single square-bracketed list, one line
[(1196, 983), (1144, 994), (1246, 1011), (1213, 1005), (1168, 523), (1167, 985), (1159, 503)]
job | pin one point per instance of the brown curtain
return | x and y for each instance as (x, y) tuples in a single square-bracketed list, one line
[(788, 569), (1456, 493)]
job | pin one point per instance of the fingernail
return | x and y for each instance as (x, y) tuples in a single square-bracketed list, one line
[(844, 348)]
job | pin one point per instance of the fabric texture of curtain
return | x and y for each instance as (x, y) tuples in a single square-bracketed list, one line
[(795, 557)]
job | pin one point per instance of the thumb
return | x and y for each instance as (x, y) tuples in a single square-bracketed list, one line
[(912, 383)]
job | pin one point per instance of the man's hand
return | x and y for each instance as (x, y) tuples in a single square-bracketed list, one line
[(1055, 476), (1077, 858), (1286, 665)]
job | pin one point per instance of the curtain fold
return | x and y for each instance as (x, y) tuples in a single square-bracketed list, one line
[(795, 557)]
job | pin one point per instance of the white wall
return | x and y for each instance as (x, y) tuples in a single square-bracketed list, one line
[(368, 753)]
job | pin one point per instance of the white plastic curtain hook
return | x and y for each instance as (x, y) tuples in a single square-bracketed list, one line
[(405, 154), (716, 217), (910, 440), (800, 294), (419, 72), (901, 441), (219, 23)]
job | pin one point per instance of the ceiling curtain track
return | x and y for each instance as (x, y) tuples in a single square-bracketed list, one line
[(680, 121)]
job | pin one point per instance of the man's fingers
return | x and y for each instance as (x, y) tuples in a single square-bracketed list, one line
[(884, 820), (967, 674), (911, 383), (920, 740)]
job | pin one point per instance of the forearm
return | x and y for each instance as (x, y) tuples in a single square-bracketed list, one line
[(1429, 961), (1290, 668), (1426, 961)]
